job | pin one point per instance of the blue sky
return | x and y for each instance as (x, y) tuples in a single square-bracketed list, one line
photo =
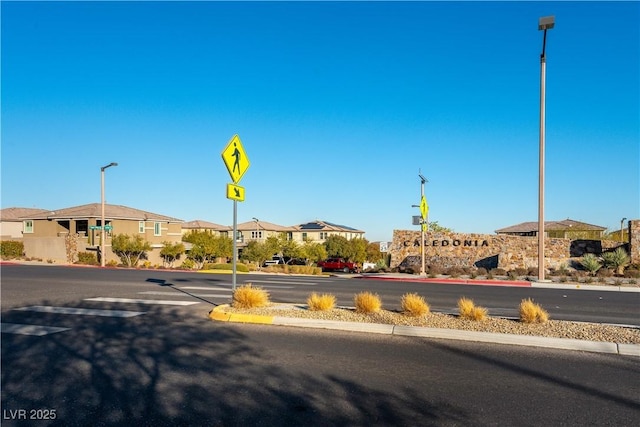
[(339, 105)]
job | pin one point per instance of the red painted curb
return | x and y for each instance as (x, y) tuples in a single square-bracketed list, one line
[(454, 281)]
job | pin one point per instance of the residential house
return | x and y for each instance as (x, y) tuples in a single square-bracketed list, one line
[(568, 228), (205, 226), (44, 233), (319, 231), (11, 222)]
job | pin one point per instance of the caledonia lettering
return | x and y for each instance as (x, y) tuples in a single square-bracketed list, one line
[(446, 242)]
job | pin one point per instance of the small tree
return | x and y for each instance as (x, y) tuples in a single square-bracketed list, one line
[(313, 252), (257, 252), (170, 252), (591, 263), (129, 248), (617, 260)]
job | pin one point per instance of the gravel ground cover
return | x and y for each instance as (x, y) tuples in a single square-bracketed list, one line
[(552, 328)]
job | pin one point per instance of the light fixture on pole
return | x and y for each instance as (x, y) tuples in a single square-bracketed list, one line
[(102, 225), (622, 229), (544, 24)]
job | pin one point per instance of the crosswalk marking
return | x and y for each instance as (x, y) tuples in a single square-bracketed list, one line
[(81, 311), (37, 330), (143, 301), (187, 295)]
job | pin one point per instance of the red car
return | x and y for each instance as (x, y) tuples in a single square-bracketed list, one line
[(339, 264)]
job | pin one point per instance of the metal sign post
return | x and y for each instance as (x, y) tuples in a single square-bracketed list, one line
[(237, 163)]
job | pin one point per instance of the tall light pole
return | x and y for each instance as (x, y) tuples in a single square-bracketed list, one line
[(621, 229), (102, 230), (544, 24)]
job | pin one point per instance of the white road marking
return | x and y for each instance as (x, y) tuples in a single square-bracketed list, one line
[(179, 294), (143, 301), (81, 311), (205, 288), (37, 330)]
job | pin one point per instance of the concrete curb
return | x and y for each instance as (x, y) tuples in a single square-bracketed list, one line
[(219, 314)]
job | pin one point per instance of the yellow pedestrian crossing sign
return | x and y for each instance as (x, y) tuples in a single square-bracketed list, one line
[(235, 159), (424, 207), (235, 192)]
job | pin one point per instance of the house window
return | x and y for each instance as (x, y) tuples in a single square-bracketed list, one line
[(323, 235), (256, 235), (140, 226), (304, 237), (157, 230), (27, 226)]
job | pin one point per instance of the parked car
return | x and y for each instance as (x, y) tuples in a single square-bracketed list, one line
[(339, 264), (275, 260)]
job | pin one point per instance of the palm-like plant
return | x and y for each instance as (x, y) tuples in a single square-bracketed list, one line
[(617, 260), (591, 263)]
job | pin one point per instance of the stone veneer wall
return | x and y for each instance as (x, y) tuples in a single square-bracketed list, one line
[(489, 251), (634, 240)]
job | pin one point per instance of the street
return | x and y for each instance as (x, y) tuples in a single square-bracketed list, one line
[(124, 355)]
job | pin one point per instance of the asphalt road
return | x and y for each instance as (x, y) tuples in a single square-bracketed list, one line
[(119, 360), (173, 367), (25, 283)]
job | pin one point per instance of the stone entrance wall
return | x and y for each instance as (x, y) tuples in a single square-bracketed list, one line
[(498, 251)]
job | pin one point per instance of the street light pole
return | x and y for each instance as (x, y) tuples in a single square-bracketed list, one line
[(102, 230), (621, 229), (544, 23)]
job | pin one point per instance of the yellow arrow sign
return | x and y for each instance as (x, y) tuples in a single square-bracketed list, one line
[(235, 159), (235, 192), (424, 207)]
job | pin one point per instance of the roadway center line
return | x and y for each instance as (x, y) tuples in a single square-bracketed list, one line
[(81, 311), (37, 330), (142, 301)]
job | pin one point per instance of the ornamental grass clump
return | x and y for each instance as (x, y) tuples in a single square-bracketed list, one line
[(248, 296), (324, 302), (414, 305), (468, 310), (366, 302), (531, 312)]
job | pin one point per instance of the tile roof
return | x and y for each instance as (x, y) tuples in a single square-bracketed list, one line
[(200, 225), (567, 224), (262, 225), (16, 214), (94, 210)]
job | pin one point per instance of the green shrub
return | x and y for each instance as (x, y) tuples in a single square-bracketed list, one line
[(188, 264), (617, 260), (228, 266), (591, 263), (88, 258), (11, 249)]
